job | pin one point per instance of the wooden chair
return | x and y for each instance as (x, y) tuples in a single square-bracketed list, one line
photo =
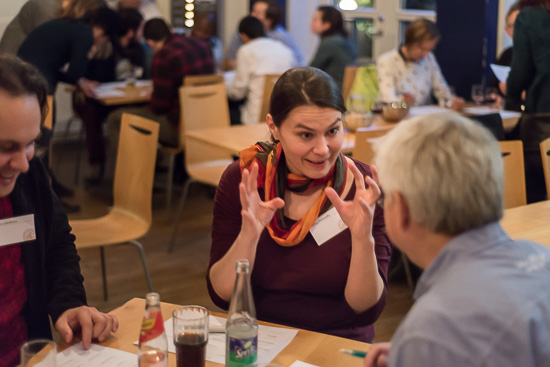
[(131, 216), (364, 137), (172, 152), (514, 173), (269, 83), (349, 77), (208, 79), (202, 107), (545, 155)]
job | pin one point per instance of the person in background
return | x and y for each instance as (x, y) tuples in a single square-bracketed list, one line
[(204, 28), (505, 58), (271, 15), (483, 298), (122, 59), (266, 204), (411, 73), (257, 57), (36, 12), (335, 51), (175, 57), (40, 279), (68, 40)]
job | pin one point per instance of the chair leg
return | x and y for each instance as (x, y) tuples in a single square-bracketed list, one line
[(78, 156), (145, 268), (169, 184), (178, 213), (408, 273), (103, 272)]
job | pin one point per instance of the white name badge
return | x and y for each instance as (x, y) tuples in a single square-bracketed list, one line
[(17, 230), (327, 226)]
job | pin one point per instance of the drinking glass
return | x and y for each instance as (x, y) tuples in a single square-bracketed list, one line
[(477, 94), (190, 335), (39, 352), (359, 113)]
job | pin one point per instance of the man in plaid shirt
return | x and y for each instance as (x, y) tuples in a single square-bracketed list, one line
[(175, 57)]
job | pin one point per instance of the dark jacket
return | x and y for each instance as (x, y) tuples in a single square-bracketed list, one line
[(52, 269)]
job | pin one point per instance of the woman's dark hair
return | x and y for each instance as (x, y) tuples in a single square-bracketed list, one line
[(304, 86), (103, 18), (534, 3), (331, 15), (252, 27), (19, 78), (274, 13), (156, 29), (130, 19)]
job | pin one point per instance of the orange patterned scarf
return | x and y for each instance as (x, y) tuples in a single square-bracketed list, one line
[(275, 179)]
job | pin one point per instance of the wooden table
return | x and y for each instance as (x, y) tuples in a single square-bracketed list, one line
[(529, 222), (315, 348), (237, 137), (140, 93)]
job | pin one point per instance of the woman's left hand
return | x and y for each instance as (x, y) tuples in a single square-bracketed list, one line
[(357, 213)]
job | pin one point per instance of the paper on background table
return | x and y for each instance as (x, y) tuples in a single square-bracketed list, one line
[(482, 110), (501, 72), (426, 110), (301, 364), (97, 355), (271, 341)]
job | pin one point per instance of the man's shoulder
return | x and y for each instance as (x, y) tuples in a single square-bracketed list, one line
[(388, 56)]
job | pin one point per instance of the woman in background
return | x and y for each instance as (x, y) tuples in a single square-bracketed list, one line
[(335, 51)]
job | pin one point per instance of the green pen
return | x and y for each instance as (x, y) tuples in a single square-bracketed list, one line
[(355, 353)]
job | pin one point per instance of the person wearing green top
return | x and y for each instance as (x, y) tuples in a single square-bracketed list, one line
[(335, 51)]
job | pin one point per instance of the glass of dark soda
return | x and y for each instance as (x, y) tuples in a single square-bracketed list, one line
[(190, 335)]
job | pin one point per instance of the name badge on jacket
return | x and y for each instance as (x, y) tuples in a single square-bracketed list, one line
[(17, 230), (327, 226)]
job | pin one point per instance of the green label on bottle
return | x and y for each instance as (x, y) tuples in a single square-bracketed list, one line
[(242, 352)]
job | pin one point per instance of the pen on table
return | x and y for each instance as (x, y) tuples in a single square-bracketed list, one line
[(355, 353)]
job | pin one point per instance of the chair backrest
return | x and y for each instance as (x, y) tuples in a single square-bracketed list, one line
[(349, 77), (364, 83), (545, 155), (48, 122), (514, 173), (493, 122), (269, 83), (135, 166), (208, 79), (364, 139)]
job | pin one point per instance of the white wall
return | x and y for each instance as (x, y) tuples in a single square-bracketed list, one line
[(503, 41), (8, 10), (231, 12)]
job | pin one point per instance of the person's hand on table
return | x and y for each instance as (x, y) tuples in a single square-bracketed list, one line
[(359, 212), (378, 355), (255, 212), (91, 323), (457, 104), (408, 98), (87, 87)]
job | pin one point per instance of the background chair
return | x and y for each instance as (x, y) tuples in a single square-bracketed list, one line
[(364, 139), (131, 215), (269, 83), (172, 152), (202, 107), (545, 155), (534, 128), (364, 83), (514, 174)]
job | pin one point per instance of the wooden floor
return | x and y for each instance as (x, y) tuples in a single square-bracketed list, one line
[(179, 277)]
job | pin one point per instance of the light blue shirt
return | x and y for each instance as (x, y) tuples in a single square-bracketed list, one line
[(279, 34), (484, 301)]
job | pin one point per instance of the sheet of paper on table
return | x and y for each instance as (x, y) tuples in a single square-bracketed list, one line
[(113, 89), (501, 72), (228, 76), (426, 110), (271, 341), (97, 355), (482, 110), (301, 364)]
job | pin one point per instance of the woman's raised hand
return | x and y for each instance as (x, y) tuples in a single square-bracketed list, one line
[(255, 212), (357, 213)]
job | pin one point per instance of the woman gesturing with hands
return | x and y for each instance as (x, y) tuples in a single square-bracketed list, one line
[(282, 207)]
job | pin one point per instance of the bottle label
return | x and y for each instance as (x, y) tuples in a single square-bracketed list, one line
[(243, 352), (151, 327)]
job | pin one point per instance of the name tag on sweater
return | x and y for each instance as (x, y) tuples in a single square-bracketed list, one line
[(17, 230), (327, 226)]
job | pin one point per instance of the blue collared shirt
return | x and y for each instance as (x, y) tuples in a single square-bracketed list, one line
[(483, 301)]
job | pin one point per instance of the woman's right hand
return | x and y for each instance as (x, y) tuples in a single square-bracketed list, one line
[(255, 212)]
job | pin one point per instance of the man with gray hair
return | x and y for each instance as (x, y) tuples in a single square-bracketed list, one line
[(483, 299)]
